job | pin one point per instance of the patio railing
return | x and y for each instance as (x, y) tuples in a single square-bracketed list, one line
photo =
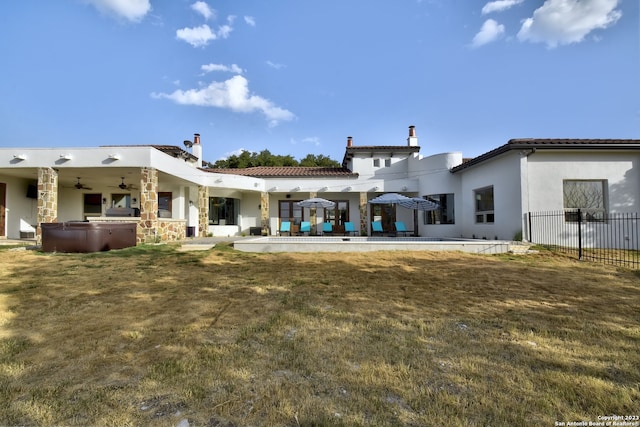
[(611, 238)]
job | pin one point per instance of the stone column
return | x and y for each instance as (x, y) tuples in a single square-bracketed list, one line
[(203, 211), (148, 226), (313, 214), (47, 199), (364, 223), (264, 213)]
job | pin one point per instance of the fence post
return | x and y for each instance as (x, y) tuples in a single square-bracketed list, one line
[(530, 227), (579, 234)]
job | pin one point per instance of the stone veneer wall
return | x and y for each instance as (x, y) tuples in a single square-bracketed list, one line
[(203, 211), (47, 198), (148, 226), (264, 212), (364, 226), (171, 230), (313, 215)]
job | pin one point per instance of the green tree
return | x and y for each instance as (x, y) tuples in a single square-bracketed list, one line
[(319, 160), (248, 159)]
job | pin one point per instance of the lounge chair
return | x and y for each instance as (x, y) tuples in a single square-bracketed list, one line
[(349, 228), (376, 227), (401, 228), (285, 227), (305, 227), (327, 228)]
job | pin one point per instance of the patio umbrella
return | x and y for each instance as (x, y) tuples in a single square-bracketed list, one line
[(389, 198), (316, 202), (420, 204)]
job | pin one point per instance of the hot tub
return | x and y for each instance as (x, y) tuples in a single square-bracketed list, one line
[(80, 236)]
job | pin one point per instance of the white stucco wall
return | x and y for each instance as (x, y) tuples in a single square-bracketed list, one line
[(503, 173), (21, 211), (434, 177), (548, 170)]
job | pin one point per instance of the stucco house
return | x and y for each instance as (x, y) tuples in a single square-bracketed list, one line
[(168, 192)]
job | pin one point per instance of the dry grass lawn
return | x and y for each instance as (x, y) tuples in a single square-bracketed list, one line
[(152, 336)]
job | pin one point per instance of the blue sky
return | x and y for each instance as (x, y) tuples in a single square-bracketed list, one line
[(298, 77)]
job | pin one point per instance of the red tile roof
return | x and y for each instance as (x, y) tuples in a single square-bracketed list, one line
[(287, 172), (549, 143)]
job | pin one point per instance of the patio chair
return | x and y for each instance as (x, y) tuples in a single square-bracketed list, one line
[(305, 227), (327, 228), (349, 228), (376, 228), (285, 227), (401, 228)]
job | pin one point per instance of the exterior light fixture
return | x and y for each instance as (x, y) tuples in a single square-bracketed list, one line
[(296, 189), (20, 156), (114, 156), (65, 157), (324, 189)]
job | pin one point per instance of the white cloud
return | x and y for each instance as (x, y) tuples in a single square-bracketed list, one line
[(233, 68), (224, 31), (559, 22), (274, 65), (232, 153), (196, 36), (313, 140), (133, 10), (499, 5), (203, 9), (491, 31), (232, 94), (250, 20)]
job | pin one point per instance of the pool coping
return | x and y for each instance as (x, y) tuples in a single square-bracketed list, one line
[(368, 244)]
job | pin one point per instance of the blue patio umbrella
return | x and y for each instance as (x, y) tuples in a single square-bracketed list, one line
[(389, 198), (420, 204), (315, 203)]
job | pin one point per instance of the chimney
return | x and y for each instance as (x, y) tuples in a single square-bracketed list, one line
[(349, 142), (196, 150), (412, 141)]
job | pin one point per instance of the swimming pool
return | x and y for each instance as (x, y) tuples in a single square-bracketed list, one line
[(367, 244)]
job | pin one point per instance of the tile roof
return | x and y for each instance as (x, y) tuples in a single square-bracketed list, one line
[(551, 143), (287, 172)]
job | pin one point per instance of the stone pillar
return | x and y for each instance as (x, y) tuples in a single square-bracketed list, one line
[(364, 223), (148, 226), (264, 213), (313, 213), (47, 199), (203, 211)]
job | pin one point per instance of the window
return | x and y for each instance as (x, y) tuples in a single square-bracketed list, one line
[(377, 163), (484, 205), (444, 215), (120, 200), (223, 211), (290, 211), (339, 214), (164, 204), (92, 205), (586, 195)]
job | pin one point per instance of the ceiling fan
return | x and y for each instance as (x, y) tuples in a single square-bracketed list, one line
[(124, 186), (81, 186)]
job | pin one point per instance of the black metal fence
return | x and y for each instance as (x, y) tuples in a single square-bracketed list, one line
[(611, 238)]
